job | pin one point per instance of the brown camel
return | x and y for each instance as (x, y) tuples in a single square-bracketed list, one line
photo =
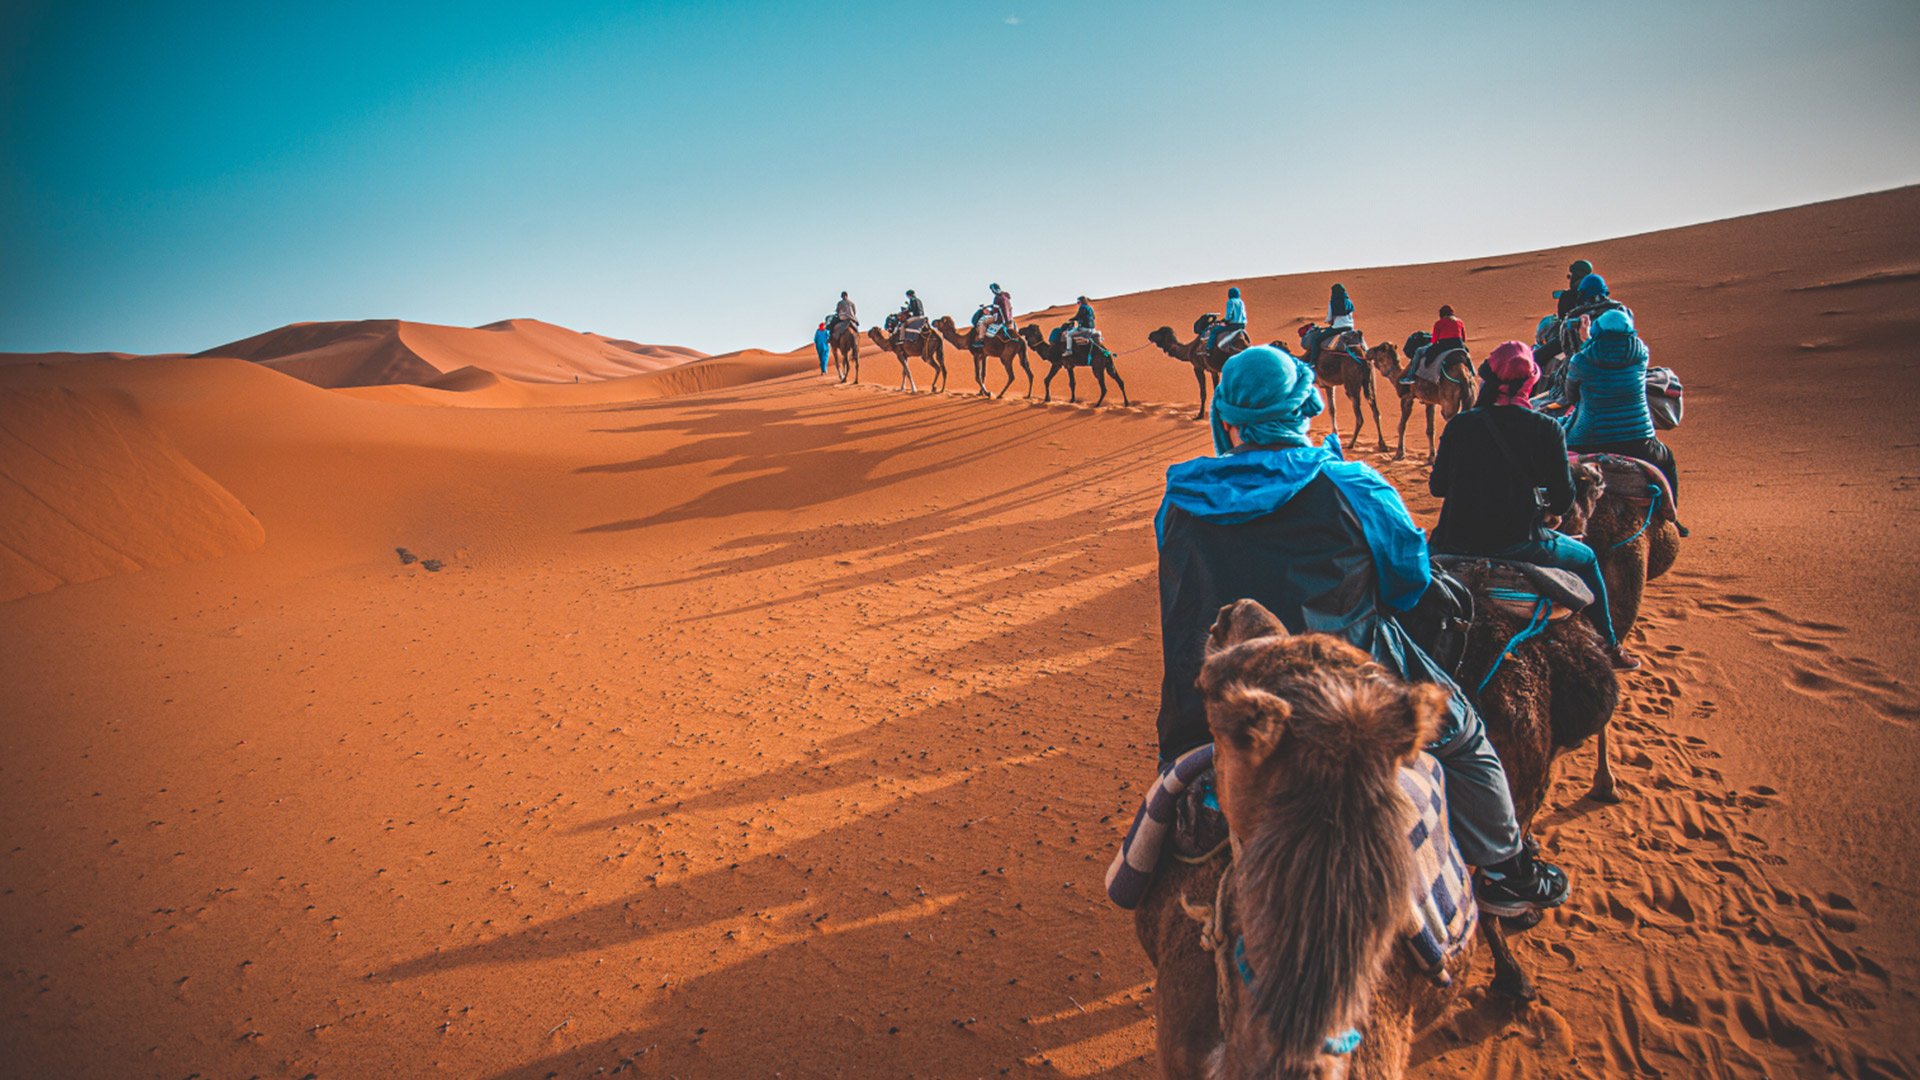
[(1204, 363), (1005, 350), (1310, 910), (844, 346), (1633, 539), (1550, 694), (1099, 359), (925, 345), (1453, 393), (1336, 368)]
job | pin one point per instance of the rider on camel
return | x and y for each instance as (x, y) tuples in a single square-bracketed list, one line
[(843, 312), (1502, 474), (1449, 334), (913, 309), (1339, 317), (996, 316), (1326, 545), (1233, 319), (1607, 389)]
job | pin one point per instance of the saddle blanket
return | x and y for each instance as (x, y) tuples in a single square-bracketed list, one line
[(1442, 902)]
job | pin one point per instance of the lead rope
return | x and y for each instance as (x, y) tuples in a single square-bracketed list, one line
[(1542, 609), (1653, 504)]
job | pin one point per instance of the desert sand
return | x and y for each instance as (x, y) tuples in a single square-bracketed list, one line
[(748, 724)]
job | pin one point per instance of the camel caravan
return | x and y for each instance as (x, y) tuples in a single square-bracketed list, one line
[(1359, 720)]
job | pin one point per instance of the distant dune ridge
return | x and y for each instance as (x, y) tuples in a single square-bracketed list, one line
[(383, 352)]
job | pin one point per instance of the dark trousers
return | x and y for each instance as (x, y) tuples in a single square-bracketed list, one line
[(1652, 451)]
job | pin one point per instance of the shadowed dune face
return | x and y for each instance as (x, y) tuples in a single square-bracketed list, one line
[(779, 726)]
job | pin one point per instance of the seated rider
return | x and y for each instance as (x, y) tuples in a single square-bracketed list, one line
[(1232, 319), (913, 309), (1339, 318), (1082, 320), (1449, 334), (843, 312), (1502, 473), (1000, 313), (1326, 545), (1569, 297), (1606, 387)]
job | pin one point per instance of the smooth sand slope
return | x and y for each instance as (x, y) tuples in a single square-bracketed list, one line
[(778, 727)]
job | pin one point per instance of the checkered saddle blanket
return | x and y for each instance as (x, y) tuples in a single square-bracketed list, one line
[(1180, 815)]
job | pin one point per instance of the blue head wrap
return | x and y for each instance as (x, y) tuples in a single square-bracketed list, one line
[(1235, 291), (1613, 322), (1592, 287), (1268, 395)]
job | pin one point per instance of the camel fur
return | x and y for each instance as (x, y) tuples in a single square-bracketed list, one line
[(1099, 361), (1195, 352), (927, 348), (844, 347), (1006, 350), (1308, 736), (1627, 561), (1452, 394)]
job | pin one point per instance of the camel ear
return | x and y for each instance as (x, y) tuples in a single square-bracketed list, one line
[(1427, 705), (1249, 718), (1242, 620)]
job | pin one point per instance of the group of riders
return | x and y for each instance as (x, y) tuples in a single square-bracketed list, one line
[(992, 322), (1329, 546)]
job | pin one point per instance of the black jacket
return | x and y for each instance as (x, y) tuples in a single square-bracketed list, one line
[(1490, 501), (1307, 562)]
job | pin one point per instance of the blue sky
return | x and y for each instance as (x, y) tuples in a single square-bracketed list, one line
[(174, 176)]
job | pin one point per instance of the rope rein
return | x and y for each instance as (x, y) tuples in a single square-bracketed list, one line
[(1542, 609), (1653, 505)]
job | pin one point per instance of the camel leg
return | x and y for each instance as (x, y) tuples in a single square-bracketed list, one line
[(1200, 376), (1046, 384), (1008, 364), (906, 376), (1406, 414), (980, 372), (1603, 789), (1029, 370), (1073, 389), (1121, 383), (1509, 980), (1359, 418), (1432, 450), (1100, 376)]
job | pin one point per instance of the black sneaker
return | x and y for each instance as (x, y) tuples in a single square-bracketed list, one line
[(1532, 886)]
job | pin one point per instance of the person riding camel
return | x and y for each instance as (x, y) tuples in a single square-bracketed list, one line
[(995, 318), (1326, 545), (1339, 317), (1449, 335), (912, 309), (1606, 388), (1502, 477), (1233, 319), (1082, 320), (844, 312), (1569, 297)]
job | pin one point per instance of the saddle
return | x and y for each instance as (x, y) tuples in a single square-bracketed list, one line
[(1634, 480), (1181, 815), (909, 330), (1501, 583)]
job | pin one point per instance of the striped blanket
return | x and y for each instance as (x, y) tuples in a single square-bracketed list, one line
[(1442, 905)]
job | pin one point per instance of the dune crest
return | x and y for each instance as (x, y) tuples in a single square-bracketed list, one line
[(89, 488)]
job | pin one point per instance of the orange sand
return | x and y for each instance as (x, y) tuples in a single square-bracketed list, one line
[(757, 725)]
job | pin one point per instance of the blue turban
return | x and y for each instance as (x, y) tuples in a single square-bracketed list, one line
[(1268, 395), (1592, 287), (1616, 321)]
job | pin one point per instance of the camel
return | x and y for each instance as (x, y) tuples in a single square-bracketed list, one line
[(925, 345), (1336, 368), (844, 346), (1099, 360), (1195, 352), (1631, 535), (1006, 350), (1453, 393), (1310, 909), (1549, 695)]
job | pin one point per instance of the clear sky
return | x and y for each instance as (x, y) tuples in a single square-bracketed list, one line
[(177, 175)]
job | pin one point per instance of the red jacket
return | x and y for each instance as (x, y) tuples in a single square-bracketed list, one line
[(1004, 301), (1449, 330)]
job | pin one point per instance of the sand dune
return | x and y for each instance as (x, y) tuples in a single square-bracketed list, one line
[(378, 352), (747, 723)]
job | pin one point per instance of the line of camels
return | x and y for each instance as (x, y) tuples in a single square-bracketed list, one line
[(1344, 363)]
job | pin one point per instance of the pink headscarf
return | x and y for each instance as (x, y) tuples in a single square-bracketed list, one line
[(1513, 367)]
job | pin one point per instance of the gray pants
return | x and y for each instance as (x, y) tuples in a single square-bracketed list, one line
[(1479, 806)]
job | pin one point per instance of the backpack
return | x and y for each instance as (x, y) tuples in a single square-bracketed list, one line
[(1664, 400), (1440, 620)]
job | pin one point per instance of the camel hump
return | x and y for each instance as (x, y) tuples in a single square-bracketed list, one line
[(1633, 479)]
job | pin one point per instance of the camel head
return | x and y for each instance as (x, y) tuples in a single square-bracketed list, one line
[(1385, 359), (1589, 483), (1308, 736), (879, 338), (1169, 344), (1034, 338)]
